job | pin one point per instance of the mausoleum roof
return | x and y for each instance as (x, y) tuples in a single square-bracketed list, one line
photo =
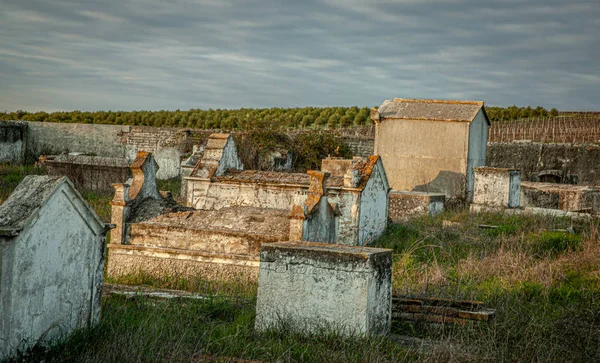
[(430, 110)]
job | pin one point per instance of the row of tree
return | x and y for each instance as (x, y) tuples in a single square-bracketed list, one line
[(246, 118), (515, 113)]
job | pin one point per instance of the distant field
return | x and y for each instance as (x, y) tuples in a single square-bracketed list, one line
[(566, 128)]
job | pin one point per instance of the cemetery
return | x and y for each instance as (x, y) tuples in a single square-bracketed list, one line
[(419, 238)]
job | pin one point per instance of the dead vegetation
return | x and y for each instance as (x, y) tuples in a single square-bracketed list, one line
[(543, 283)]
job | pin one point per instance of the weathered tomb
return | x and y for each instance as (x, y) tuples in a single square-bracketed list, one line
[(93, 173), (567, 197), (431, 145), (312, 286), (169, 160), (497, 187), (231, 212), (503, 188), (404, 205), (156, 236), (52, 248), (348, 196)]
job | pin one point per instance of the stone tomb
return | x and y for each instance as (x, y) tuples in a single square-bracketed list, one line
[(404, 205), (345, 202), (312, 286), (497, 187), (52, 248), (87, 172), (431, 145), (567, 197), (232, 211), (156, 236)]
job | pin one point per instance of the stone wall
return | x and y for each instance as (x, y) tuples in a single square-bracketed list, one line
[(572, 161), (47, 138), (120, 141), (124, 141), (13, 136), (360, 140)]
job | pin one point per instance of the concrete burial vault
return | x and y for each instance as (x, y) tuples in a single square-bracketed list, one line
[(431, 145), (230, 212), (497, 188), (52, 248), (312, 286)]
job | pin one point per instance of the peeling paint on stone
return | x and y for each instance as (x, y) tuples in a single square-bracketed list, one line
[(52, 248), (497, 187)]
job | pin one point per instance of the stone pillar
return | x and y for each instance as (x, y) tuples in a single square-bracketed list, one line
[(119, 213), (316, 189), (144, 169), (297, 218)]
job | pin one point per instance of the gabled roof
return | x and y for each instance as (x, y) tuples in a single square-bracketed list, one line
[(214, 160), (430, 110), (29, 196)]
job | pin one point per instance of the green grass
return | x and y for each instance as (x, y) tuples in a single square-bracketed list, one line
[(11, 176), (543, 283), (145, 330), (555, 243)]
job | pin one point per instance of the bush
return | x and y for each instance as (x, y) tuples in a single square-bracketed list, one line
[(311, 148)]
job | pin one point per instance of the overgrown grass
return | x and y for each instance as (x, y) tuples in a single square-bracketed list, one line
[(234, 286), (11, 176), (544, 283), (145, 330)]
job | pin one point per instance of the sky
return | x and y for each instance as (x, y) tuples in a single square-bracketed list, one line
[(181, 54)]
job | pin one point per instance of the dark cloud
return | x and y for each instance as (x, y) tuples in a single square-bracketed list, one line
[(154, 54)]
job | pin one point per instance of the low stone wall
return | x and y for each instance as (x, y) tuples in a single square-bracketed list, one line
[(572, 161), (91, 173)]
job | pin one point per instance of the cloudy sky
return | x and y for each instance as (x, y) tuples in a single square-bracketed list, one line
[(181, 54)]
